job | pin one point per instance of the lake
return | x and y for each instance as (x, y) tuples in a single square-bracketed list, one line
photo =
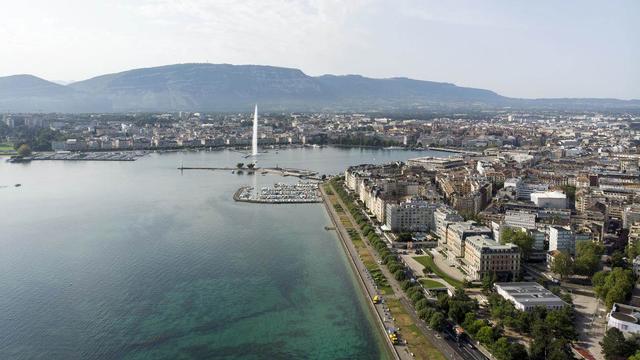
[(137, 260)]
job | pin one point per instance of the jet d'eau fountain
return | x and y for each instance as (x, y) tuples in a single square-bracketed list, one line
[(254, 140)]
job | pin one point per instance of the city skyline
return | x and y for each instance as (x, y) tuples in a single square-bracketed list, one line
[(573, 49)]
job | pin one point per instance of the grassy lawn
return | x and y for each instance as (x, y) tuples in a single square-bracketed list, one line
[(419, 345), (431, 284), (427, 262)]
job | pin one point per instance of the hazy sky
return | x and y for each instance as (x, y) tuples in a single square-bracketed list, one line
[(554, 48)]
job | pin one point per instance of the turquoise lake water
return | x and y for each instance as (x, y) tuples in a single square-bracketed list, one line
[(136, 260)]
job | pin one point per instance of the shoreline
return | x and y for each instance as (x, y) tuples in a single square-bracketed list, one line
[(358, 272)]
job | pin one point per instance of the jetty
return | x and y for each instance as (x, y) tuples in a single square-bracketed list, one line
[(301, 173)]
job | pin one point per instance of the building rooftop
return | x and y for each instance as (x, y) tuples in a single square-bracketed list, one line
[(529, 293), (482, 241), (469, 227), (549, 194), (625, 313)]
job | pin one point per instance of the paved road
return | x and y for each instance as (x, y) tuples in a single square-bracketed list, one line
[(447, 346), (445, 264)]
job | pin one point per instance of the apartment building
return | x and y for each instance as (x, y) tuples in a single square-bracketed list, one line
[(485, 256), (562, 239), (412, 216), (458, 232), (444, 216)]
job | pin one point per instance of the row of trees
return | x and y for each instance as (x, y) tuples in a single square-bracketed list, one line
[(433, 314), (363, 140), (459, 308)]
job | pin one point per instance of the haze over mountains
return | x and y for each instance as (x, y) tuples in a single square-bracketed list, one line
[(224, 87)]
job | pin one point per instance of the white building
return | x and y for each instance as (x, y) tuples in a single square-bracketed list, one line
[(549, 199), (520, 219), (411, 215), (526, 296), (444, 216), (625, 318), (562, 239)]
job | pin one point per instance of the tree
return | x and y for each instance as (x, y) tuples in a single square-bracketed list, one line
[(559, 349), (502, 349), (436, 322), (459, 305), (251, 165), (443, 303), (520, 238), (422, 304), (635, 356), (405, 237), (485, 335), (518, 352), (399, 274), (24, 150), (614, 345), (425, 314), (561, 323), (588, 256), (416, 297), (562, 265), (613, 286), (240, 165), (488, 280), (617, 259), (570, 191)]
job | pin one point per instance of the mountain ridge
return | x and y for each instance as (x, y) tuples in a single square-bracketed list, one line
[(227, 87)]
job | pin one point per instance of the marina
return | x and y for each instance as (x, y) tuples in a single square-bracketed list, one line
[(300, 193), (91, 156)]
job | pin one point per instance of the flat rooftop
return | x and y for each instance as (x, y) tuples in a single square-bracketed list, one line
[(529, 293)]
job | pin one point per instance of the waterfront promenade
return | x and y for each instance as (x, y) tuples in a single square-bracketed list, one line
[(423, 342), (380, 311), (433, 346)]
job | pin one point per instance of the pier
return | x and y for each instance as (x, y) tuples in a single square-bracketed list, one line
[(301, 173)]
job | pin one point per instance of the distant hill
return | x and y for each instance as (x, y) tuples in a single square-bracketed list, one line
[(28, 93), (224, 87)]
